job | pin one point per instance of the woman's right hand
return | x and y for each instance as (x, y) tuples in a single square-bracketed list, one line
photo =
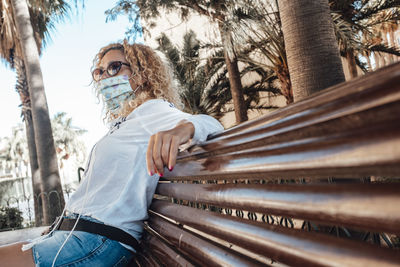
[(163, 147)]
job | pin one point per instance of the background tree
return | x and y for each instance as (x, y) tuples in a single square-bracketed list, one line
[(203, 81), (14, 154), (43, 15), (361, 27), (26, 114), (257, 27), (10, 218), (311, 47), (11, 53), (53, 202), (216, 11), (67, 139), (16, 150)]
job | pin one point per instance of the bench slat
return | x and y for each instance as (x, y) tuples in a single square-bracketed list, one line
[(355, 154), (289, 246), (368, 206), (145, 258), (203, 252), (165, 255), (351, 131), (382, 86)]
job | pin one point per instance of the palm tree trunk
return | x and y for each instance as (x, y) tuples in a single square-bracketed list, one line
[(46, 153), (393, 43), (389, 58), (311, 47), (234, 80), (351, 63), (35, 172), (23, 91), (377, 60), (236, 89), (382, 59), (286, 86), (393, 34), (368, 57)]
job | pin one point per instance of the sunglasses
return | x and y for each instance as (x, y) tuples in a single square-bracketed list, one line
[(112, 69)]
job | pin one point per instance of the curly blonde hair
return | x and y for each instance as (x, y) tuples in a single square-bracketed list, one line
[(156, 73)]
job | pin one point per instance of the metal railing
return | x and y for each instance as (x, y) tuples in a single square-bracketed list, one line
[(25, 204)]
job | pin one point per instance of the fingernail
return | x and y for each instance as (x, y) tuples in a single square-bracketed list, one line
[(170, 168), (161, 174), (151, 173)]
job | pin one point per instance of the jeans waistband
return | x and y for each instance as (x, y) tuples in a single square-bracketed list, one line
[(70, 215)]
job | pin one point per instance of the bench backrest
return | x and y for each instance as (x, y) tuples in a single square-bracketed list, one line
[(276, 188)]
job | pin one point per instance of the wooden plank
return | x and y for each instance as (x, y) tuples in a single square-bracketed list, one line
[(155, 247), (289, 246), (373, 207), (203, 252), (351, 130)]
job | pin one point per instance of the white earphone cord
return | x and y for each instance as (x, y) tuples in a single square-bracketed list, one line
[(73, 228)]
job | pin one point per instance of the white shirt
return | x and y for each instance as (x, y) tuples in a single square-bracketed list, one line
[(116, 188)]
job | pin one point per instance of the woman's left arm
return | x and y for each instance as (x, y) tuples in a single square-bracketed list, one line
[(163, 146)]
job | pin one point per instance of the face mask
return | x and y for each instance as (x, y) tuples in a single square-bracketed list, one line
[(115, 90)]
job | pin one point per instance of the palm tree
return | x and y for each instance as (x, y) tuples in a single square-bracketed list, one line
[(311, 47), (216, 11), (385, 24), (204, 83), (26, 114), (256, 25), (16, 151), (66, 138), (18, 26), (42, 19), (356, 24)]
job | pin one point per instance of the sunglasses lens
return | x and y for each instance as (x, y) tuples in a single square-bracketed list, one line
[(114, 68), (97, 73)]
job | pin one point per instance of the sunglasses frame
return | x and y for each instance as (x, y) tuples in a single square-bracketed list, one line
[(108, 69)]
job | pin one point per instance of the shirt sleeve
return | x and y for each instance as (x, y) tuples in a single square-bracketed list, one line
[(162, 116), (204, 125)]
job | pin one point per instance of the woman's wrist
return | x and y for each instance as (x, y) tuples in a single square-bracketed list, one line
[(189, 126)]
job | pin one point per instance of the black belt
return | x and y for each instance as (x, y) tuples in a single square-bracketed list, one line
[(108, 231)]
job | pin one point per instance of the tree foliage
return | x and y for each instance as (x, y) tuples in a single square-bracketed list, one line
[(255, 25), (356, 23), (10, 218), (66, 139), (215, 11), (44, 15), (203, 80)]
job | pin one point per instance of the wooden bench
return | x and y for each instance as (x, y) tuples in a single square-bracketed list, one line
[(313, 183)]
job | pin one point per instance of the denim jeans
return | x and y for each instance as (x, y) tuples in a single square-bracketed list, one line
[(81, 249)]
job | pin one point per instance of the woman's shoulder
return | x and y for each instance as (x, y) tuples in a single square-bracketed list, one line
[(152, 106)]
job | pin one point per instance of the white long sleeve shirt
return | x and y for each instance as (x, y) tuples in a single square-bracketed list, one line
[(116, 188)]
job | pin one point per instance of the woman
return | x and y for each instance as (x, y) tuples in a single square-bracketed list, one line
[(103, 218)]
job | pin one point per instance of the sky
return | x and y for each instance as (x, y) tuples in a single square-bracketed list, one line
[(66, 61)]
